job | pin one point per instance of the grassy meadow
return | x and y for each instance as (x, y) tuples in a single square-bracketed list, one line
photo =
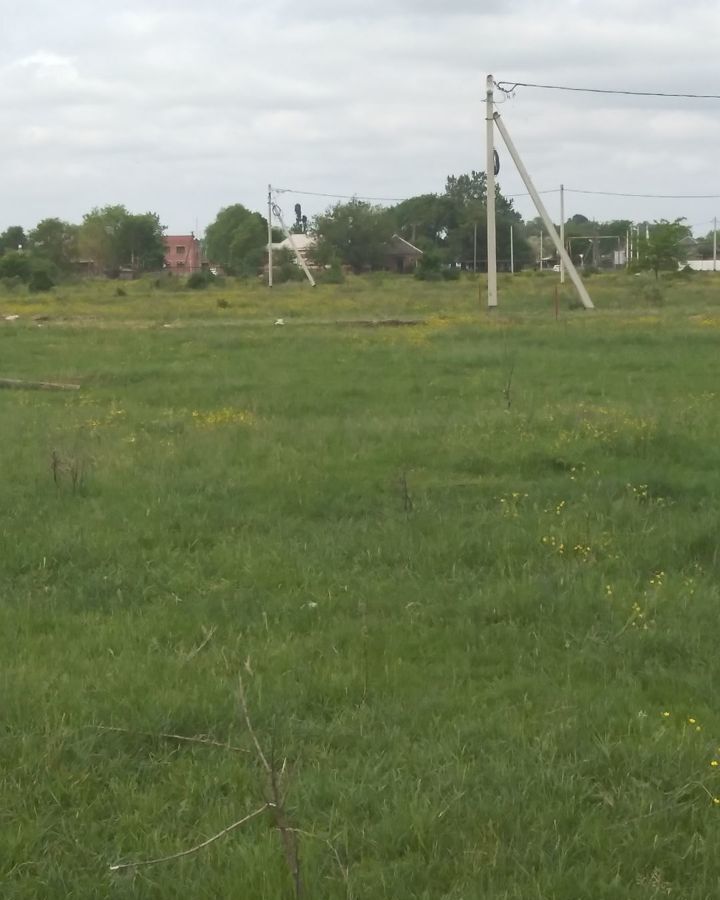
[(467, 569)]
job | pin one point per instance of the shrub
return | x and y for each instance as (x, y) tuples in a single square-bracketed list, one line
[(11, 283), (199, 281), (430, 267), (333, 275), (40, 281), (16, 264), (285, 268), (451, 273), (653, 293)]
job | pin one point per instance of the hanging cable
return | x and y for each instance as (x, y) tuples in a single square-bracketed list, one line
[(645, 196), (509, 87)]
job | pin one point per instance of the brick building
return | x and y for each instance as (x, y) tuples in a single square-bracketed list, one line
[(183, 254)]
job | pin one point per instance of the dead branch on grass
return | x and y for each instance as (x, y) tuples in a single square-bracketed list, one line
[(17, 384), (221, 834), (173, 737), (288, 835)]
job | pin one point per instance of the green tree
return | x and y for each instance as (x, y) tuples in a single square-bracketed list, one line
[(237, 240), (423, 220), (55, 241), (354, 233), (663, 249), (99, 236), (467, 223), (140, 242), (12, 238), (16, 264), (113, 237)]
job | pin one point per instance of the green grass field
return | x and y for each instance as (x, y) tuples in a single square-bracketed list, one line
[(467, 569)]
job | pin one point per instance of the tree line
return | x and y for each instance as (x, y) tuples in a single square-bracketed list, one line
[(449, 227), (109, 238)]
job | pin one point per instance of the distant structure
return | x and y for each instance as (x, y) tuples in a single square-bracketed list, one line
[(399, 255), (183, 254), (700, 265)]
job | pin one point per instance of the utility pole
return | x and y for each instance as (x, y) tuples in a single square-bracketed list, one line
[(540, 206), (492, 298), (512, 251), (270, 259), (715, 244), (289, 235), (540, 261), (562, 231), (475, 249)]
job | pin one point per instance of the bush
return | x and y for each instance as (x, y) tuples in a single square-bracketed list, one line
[(451, 273), (11, 283), (653, 293), (430, 267), (40, 281), (199, 281), (16, 264), (333, 275), (285, 268)]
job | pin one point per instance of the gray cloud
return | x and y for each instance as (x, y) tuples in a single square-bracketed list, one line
[(183, 108)]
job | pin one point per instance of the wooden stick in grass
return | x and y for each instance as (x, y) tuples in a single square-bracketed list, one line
[(17, 384), (221, 834)]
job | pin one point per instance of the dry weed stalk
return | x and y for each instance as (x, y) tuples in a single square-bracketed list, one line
[(208, 742), (221, 834), (288, 835)]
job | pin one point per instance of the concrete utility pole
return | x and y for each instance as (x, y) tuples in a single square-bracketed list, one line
[(270, 241), (492, 298), (540, 261), (715, 244), (475, 248), (288, 234), (512, 251), (540, 206), (562, 231)]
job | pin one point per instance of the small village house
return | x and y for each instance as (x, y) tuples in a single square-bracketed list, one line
[(183, 254)]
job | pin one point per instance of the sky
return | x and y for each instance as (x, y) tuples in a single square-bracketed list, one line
[(182, 108)]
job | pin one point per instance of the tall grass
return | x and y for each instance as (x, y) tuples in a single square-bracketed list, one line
[(481, 633)]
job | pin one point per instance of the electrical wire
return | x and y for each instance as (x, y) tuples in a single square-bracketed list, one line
[(339, 196), (508, 87), (383, 199), (645, 196)]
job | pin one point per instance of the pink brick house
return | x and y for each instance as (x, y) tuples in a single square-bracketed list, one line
[(183, 254)]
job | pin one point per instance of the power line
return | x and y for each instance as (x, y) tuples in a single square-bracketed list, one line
[(646, 196), (339, 196), (383, 199), (507, 87)]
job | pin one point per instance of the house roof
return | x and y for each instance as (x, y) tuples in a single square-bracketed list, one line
[(303, 242), (179, 238), (401, 247)]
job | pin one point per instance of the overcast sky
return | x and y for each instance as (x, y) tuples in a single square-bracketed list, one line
[(184, 107)]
